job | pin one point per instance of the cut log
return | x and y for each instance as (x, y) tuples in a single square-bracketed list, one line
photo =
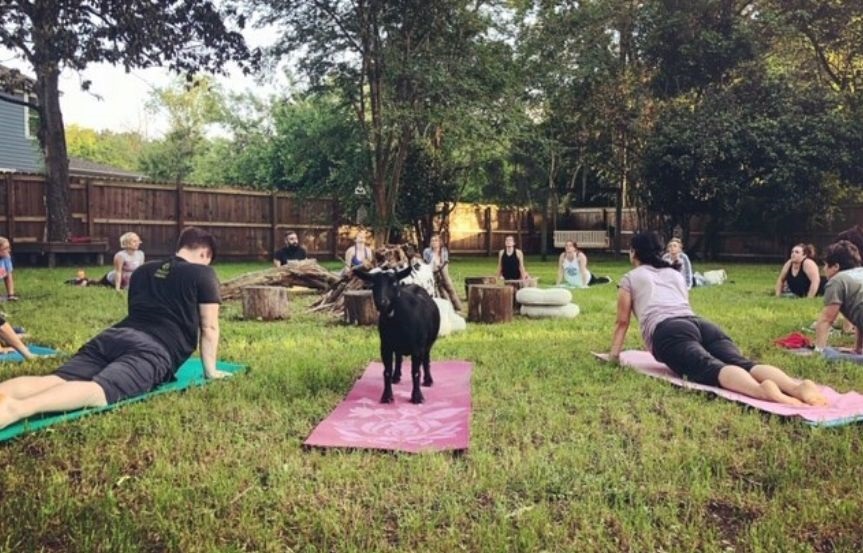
[(360, 307), (470, 281), (490, 304), (517, 285), (265, 303)]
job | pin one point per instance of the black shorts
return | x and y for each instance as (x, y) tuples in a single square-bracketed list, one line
[(696, 349), (125, 362)]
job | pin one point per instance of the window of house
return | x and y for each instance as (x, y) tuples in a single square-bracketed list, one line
[(31, 118)]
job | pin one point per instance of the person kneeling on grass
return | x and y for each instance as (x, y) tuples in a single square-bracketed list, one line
[(692, 347), (842, 294), (169, 302)]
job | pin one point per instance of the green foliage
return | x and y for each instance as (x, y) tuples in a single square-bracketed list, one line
[(566, 453), (121, 150)]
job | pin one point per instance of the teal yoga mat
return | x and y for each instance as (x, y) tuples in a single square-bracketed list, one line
[(15, 357), (191, 373)]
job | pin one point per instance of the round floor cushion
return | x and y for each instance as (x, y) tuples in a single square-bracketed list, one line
[(568, 311), (543, 296)]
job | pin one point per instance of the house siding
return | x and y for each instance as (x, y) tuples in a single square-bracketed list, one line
[(16, 150)]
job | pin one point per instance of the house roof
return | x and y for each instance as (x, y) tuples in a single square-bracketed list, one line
[(12, 80), (85, 168)]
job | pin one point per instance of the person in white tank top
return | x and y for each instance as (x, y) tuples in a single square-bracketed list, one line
[(126, 261)]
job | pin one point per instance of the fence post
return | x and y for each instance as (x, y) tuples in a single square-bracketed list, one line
[(274, 212), (518, 218), (10, 208), (91, 224), (488, 231), (335, 231), (181, 208)]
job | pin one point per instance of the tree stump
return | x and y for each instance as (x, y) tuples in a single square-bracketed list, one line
[(517, 285), (360, 307), (265, 303), (472, 281), (490, 304)]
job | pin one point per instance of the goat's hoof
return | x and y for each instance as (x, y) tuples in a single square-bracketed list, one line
[(417, 398), (428, 382), (387, 398)]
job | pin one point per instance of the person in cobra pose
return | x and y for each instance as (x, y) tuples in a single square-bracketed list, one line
[(572, 271), (799, 275), (510, 261), (359, 253), (692, 347)]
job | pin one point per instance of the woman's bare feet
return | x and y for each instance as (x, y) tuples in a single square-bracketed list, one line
[(773, 393), (809, 393)]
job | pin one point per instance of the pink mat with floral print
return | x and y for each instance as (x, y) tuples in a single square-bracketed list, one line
[(441, 423)]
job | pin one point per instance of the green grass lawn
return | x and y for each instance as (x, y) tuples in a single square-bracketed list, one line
[(567, 454)]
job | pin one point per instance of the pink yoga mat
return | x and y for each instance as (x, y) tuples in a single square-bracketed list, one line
[(842, 408), (441, 423)]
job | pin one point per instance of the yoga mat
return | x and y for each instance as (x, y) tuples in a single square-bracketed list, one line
[(191, 373), (15, 357), (441, 423), (842, 408)]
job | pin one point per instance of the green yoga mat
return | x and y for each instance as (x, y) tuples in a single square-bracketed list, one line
[(191, 373)]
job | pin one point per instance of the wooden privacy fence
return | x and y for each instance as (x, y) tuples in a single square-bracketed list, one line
[(246, 223)]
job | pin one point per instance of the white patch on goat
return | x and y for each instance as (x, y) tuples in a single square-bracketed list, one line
[(422, 275)]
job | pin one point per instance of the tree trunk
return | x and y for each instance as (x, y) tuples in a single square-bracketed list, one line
[(52, 138), (265, 303), (490, 304), (360, 308)]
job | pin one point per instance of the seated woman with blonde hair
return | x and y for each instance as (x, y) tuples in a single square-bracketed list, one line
[(125, 262), (572, 269), (799, 275)]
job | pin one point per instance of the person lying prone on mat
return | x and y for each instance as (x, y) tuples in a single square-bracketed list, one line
[(842, 294), (11, 341), (170, 301), (692, 347)]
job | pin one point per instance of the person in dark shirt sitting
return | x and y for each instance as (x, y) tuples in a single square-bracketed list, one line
[(291, 252), (170, 302)]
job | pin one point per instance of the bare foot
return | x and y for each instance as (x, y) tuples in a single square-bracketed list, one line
[(773, 393), (809, 393)]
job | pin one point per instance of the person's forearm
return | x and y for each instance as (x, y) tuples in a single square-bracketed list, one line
[(209, 349), (813, 289), (822, 332), (617, 340), (779, 288)]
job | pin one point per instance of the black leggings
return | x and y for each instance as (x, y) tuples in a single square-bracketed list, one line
[(696, 349)]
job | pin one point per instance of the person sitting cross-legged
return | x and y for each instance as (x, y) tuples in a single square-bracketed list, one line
[(692, 347), (170, 302)]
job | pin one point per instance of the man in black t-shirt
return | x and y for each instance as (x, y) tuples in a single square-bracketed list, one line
[(169, 303), (291, 252)]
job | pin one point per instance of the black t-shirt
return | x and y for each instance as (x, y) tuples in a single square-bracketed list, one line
[(163, 302), (290, 253)]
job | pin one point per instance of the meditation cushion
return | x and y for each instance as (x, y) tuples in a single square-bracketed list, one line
[(543, 296), (568, 311)]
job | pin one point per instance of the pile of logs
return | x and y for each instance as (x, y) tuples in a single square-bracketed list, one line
[(305, 273)]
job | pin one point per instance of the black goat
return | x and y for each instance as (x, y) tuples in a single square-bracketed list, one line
[(408, 324)]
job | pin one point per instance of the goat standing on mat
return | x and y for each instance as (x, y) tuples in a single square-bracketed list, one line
[(408, 325)]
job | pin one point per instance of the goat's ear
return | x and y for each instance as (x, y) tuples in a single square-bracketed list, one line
[(404, 273), (362, 274)]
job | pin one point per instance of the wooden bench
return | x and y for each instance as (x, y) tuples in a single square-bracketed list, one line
[(52, 249), (584, 239)]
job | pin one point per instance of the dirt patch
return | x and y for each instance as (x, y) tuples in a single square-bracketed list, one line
[(730, 520)]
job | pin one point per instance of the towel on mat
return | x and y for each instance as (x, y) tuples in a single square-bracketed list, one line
[(842, 408), (191, 373)]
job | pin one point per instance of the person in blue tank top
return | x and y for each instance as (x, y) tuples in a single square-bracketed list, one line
[(359, 253), (572, 269)]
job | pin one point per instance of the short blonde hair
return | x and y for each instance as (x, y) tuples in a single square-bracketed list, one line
[(127, 237), (675, 241), (4, 243)]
